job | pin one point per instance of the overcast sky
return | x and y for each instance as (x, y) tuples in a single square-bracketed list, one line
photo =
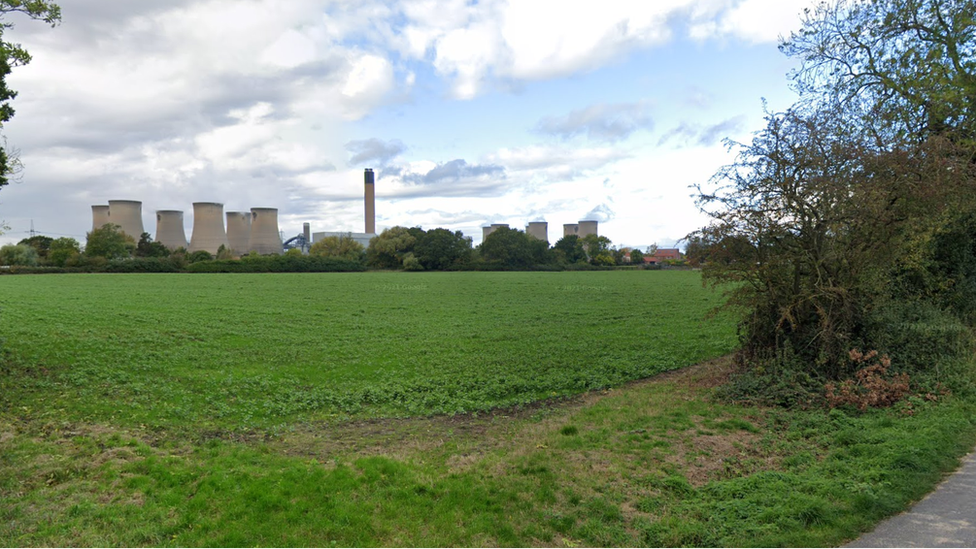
[(470, 112)]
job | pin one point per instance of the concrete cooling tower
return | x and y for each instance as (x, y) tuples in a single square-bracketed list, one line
[(208, 227), (370, 199), (99, 216), (538, 229), (169, 229), (570, 229), (264, 231), (587, 228), (239, 232), (128, 215)]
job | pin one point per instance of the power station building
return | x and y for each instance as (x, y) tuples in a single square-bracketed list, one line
[(581, 229), (127, 214), (255, 231), (538, 229), (369, 203), (100, 216), (169, 229)]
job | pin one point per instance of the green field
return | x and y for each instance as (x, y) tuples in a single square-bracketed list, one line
[(326, 410), (258, 351)]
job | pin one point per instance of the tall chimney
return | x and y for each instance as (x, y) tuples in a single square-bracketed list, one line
[(370, 202)]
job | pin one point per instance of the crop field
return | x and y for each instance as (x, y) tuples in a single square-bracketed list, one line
[(261, 351), (423, 409)]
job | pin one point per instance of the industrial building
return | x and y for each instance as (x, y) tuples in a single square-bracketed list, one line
[(127, 214), (538, 229), (169, 229), (581, 228), (369, 201), (254, 231)]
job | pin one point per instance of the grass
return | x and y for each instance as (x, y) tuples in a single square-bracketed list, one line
[(255, 351), (654, 462)]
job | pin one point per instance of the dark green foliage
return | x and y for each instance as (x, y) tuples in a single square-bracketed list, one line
[(277, 264), (40, 243), (387, 249), (512, 248), (62, 250), (142, 265), (571, 248), (148, 248), (109, 242), (440, 249), (199, 255)]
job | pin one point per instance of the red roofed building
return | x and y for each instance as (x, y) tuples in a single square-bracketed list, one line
[(662, 255)]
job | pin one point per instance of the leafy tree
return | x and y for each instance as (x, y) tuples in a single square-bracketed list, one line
[(440, 248), (223, 252), (18, 254), (907, 65), (837, 206), (13, 55), (596, 245), (513, 248), (148, 248), (636, 257), (62, 250), (571, 249), (342, 246), (110, 242), (40, 243), (203, 255), (387, 249)]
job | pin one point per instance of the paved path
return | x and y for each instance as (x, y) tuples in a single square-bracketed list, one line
[(945, 518)]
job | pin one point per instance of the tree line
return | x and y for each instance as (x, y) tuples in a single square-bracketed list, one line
[(108, 248)]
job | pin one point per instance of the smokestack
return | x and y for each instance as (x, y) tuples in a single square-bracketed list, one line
[(264, 231), (307, 233), (370, 202), (208, 227), (128, 215), (100, 216), (239, 232), (169, 229)]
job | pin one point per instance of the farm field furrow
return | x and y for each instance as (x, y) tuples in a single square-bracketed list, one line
[(244, 352)]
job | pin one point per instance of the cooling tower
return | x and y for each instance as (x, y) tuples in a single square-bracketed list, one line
[(169, 229), (587, 228), (128, 215), (99, 216), (265, 238), (538, 229), (239, 232), (208, 227), (485, 231), (370, 199), (570, 229)]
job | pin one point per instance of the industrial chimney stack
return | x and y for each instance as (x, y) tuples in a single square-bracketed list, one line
[(370, 202)]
